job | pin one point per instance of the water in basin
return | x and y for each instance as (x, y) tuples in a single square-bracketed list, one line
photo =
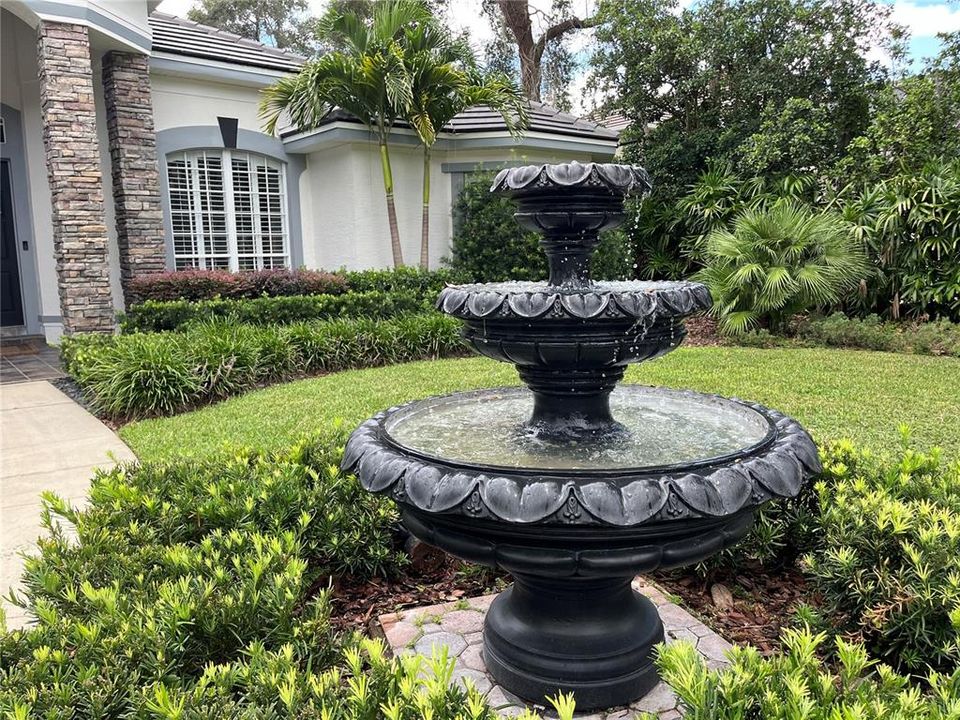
[(665, 427)]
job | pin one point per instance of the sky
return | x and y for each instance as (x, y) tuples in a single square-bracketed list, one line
[(924, 19)]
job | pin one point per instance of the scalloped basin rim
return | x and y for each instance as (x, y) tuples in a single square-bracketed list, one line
[(490, 420)]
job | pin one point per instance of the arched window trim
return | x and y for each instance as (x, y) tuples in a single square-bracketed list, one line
[(228, 209)]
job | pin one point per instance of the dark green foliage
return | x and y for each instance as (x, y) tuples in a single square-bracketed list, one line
[(157, 316), (208, 284), (144, 374), (910, 226), (427, 283), (795, 684), (776, 262), (930, 338), (188, 591), (701, 82), (489, 245)]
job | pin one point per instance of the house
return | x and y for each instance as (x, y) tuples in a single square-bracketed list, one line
[(131, 144)]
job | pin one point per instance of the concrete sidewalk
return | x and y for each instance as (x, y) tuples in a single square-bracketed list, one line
[(47, 442)]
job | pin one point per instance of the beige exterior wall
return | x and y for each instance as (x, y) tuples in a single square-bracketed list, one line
[(180, 102), (348, 213)]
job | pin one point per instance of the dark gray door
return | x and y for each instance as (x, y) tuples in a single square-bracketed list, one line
[(11, 300)]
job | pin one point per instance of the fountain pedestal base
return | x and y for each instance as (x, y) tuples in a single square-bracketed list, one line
[(591, 636)]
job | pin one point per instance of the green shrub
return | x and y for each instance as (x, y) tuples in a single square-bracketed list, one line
[(209, 284), (426, 283), (887, 555), (931, 338), (489, 246), (142, 374), (796, 685), (156, 316), (774, 263)]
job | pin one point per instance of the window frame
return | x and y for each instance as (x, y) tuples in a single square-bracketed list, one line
[(201, 258)]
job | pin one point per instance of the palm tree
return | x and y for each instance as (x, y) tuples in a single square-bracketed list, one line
[(364, 75), (445, 82), (778, 261)]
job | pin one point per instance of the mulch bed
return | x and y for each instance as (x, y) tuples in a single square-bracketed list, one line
[(763, 602), (356, 604), (701, 331)]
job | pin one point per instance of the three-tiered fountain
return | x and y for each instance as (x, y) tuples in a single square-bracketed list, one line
[(574, 485)]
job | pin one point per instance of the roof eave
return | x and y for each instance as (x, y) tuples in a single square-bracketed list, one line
[(172, 64), (343, 132)]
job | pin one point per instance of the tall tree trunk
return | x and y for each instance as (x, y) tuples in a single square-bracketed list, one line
[(516, 16), (391, 207), (425, 217)]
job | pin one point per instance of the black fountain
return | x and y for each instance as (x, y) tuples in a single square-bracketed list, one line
[(574, 485)]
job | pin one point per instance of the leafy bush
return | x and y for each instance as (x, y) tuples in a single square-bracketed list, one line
[(930, 338), (143, 374), (887, 554), (157, 316), (777, 262), (796, 685), (910, 225), (427, 283), (489, 245), (207, 284), (186, 590)]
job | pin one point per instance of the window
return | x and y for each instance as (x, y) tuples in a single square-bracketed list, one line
[(228, 210)]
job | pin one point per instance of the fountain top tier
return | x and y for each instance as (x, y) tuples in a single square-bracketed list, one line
[(570, 204)]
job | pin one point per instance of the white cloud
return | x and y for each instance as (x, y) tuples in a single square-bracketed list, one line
[(926, 20)]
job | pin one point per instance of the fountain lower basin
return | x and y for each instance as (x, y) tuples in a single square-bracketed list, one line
[(574, 524)]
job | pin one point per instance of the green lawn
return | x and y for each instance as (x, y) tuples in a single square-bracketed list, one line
[(835, 393)]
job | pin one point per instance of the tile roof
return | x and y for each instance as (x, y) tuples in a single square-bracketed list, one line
[(543, 118), (179, 36)]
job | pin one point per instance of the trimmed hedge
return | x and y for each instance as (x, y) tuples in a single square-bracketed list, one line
[(208, 284), (143, 374), (940, 337), (157, 316), (215, 284)]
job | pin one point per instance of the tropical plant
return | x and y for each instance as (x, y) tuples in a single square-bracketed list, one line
[(910, 224), (775, 262), (796, 685), (445, 83), (365, 76)]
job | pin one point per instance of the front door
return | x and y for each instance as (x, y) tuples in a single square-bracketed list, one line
[(11, 301)]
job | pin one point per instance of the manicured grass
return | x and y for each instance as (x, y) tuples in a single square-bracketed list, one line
[(835, 393)]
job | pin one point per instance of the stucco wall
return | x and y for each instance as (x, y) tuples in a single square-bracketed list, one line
[(180, 101), (346, 204)]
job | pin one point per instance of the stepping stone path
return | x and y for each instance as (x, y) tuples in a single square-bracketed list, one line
[(459, 626)]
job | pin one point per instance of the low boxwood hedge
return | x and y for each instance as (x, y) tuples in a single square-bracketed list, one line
[(143, 374), (208, 284), (217, 284), (159, 316), (940, 337)]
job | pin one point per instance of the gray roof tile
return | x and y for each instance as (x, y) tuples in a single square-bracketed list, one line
[(179, 36)]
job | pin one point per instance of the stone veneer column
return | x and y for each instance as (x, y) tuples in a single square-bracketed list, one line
[(73, 171), (133, 155)]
